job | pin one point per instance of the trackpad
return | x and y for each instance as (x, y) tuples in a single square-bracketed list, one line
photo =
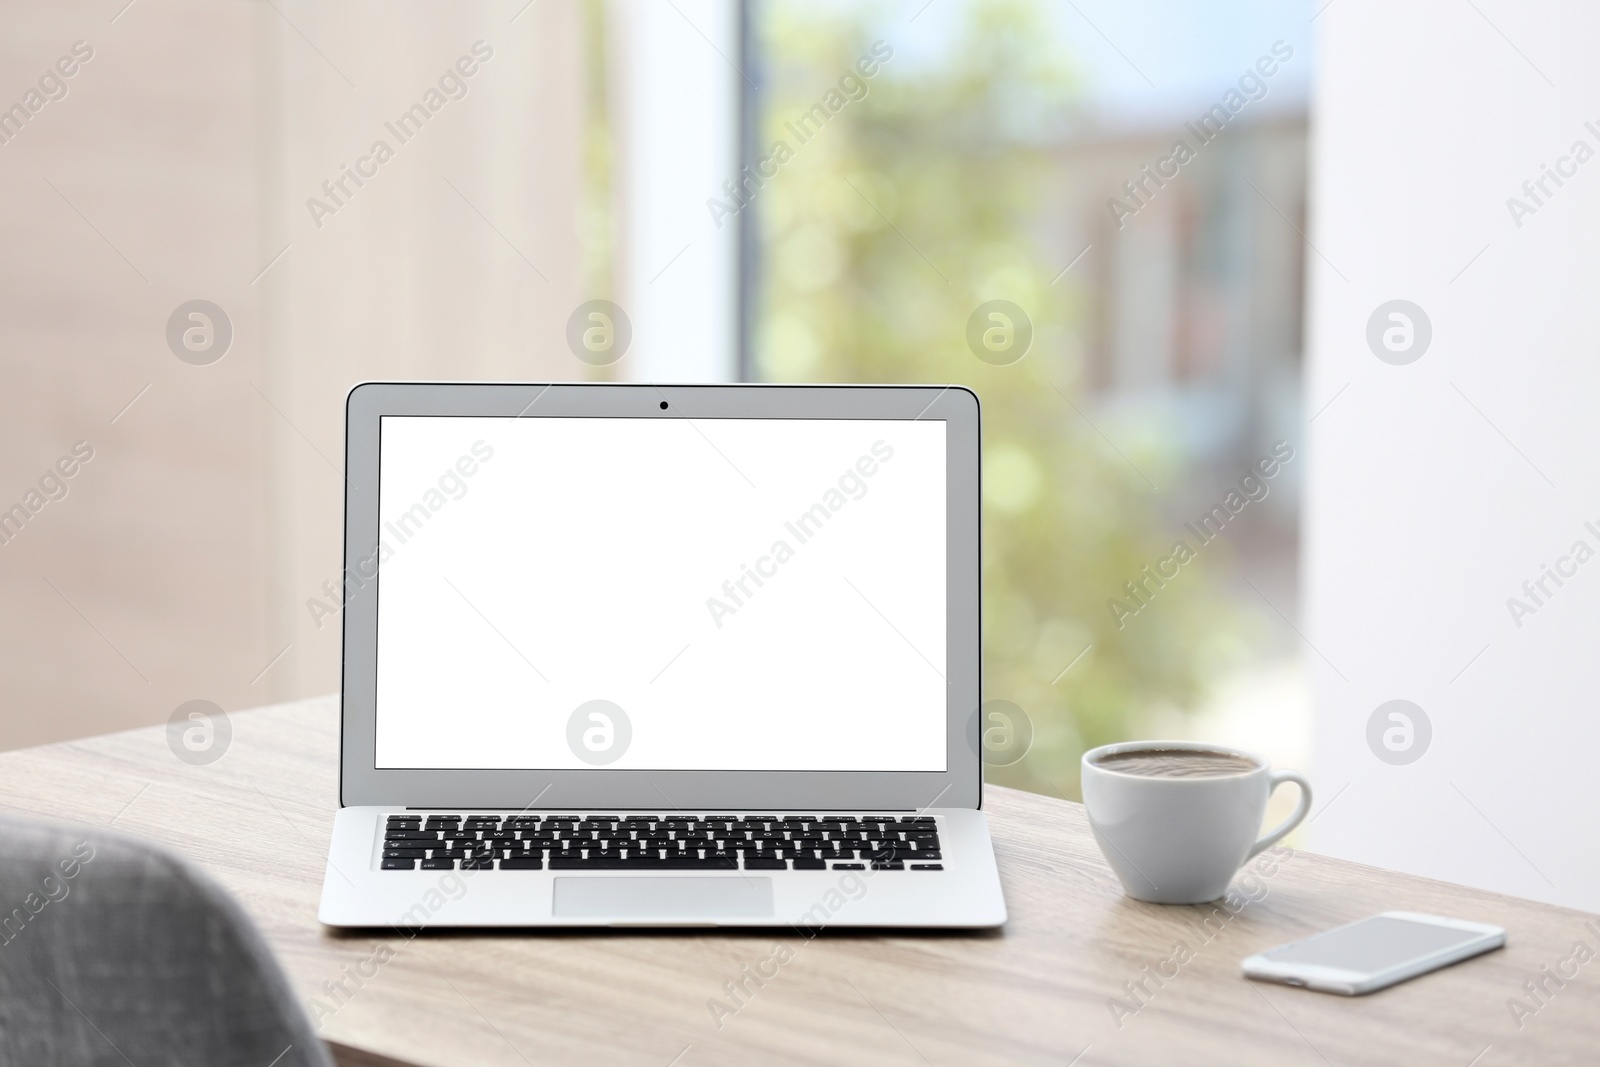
[(624, 898)]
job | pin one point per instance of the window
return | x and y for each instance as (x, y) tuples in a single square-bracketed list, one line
[(992, 194)]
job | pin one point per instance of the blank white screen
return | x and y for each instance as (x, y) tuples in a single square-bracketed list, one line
[(532, 565)]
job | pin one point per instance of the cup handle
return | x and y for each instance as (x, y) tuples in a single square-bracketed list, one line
[(1277, 778)]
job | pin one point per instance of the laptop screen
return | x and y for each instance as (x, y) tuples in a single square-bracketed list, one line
[(661, 594)]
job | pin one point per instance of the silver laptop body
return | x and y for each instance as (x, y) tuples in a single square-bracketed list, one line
[(661, 655)]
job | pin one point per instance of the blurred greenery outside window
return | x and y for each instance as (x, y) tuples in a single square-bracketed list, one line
[(888, 220)]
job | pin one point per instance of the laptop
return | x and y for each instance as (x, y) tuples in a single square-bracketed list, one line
[(661, 655)]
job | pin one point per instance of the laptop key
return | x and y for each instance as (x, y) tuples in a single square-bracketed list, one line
[(763, 863), (400, 865), (801, 863), (694, 863), (927, 866), (439, 863), (522, 863), (606, 863), (899, 854)]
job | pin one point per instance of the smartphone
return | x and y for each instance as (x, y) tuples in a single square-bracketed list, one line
[(1375, 953)]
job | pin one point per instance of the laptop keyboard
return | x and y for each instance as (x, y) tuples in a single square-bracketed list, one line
[(590, 842)]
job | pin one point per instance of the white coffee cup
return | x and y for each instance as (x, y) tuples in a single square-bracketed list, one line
[(1180, 840)]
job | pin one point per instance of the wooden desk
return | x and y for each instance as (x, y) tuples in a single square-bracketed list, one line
[(1040, 991)]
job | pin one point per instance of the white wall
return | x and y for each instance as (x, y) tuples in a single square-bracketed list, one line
[(180, 564), (678, 125), (1438, 487), (146, 585), (458, 260)]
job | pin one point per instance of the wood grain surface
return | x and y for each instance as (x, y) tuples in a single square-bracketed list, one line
[(1080, 975)]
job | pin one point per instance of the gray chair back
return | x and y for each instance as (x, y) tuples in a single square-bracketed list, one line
[(115, 952)]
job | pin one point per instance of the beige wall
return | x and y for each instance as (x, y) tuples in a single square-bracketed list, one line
[(184, 553)]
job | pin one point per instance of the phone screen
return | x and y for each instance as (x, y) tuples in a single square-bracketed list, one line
[(1373, 945)]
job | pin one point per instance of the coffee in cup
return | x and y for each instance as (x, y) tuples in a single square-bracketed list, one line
[(1176, 763), (1177, 819)]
